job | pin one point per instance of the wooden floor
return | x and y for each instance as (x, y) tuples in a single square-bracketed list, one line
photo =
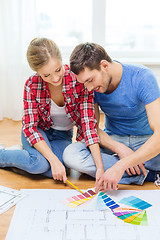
[(10, 135)]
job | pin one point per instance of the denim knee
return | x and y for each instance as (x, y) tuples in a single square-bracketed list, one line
[(37, 165), (73, 155)]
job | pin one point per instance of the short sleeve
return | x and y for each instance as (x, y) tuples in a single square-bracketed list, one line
[(147, 87)]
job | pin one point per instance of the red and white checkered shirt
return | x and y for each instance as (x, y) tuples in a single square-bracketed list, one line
[(79, 106)]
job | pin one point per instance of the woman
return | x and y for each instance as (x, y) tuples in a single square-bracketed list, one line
[(46, 129)]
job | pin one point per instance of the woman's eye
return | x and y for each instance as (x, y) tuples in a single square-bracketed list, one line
[(58, 70), (46, 75)]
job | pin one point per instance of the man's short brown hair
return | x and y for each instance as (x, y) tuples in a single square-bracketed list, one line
[(87, 55)]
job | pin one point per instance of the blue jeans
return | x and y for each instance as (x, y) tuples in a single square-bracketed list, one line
[(32, 161), (77, 156)]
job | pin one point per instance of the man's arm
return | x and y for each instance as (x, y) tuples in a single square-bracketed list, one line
[(120, 149), (107, 142), (147, 151)]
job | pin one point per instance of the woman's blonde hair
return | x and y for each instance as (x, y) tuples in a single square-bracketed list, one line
[(40, 51)]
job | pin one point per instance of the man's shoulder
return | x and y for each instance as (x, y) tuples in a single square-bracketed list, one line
[(136, 68)]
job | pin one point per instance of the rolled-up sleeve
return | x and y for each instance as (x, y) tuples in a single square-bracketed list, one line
[(88, 119), (30, 118)]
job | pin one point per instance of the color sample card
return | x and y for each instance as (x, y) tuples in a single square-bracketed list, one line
[(108, 201), (136, 202), (75, 201), (132, 212), (100, 204)]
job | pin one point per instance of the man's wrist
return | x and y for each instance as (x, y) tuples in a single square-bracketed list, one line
[(121, 165)]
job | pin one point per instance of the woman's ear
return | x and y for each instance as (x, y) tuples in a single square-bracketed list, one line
[(104, 65)]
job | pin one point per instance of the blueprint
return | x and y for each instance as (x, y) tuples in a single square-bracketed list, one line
[(43, 215)]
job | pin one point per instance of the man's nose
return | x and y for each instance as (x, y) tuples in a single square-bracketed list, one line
[(89, 87)]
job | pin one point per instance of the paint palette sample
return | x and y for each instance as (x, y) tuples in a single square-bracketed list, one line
[(108, 201), (135, 202), (75, 201), (132, 212)]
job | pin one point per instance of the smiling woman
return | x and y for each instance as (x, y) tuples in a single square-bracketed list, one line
[(53, 99), (44, 137)]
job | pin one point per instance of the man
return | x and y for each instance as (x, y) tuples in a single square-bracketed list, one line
[(129, 97)]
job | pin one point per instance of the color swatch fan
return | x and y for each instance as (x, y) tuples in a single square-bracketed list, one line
[(130, 210)]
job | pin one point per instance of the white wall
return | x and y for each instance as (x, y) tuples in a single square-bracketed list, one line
[(156, 71)]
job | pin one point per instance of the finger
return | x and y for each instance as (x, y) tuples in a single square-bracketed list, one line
[(98, 184), (60, 177), (104, 187), (97, 181), (137, 170), (143, 169), (65, 179), (115, 186), (132, 170), (101, 188), (128, 172), (109, 186), (54, 176)]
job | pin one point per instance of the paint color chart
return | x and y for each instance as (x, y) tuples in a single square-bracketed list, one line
[(79, 199), (129, 209)]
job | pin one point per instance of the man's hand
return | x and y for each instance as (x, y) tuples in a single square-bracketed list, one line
[(125, 152), (136, 170), (109, 180)]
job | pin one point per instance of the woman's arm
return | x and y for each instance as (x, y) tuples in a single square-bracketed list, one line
[(34, 137), (58, 169)]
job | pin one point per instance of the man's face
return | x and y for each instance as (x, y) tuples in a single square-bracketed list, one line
[(97, 80)]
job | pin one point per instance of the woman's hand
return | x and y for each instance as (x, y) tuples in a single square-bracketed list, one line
[(99, 174), (58, 170)]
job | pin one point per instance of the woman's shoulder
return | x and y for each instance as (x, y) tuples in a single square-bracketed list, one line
[(34, 81)]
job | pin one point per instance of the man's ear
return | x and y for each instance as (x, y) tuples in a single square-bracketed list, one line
[(104, 65)]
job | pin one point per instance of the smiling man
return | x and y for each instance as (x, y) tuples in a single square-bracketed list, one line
[(129, 97)]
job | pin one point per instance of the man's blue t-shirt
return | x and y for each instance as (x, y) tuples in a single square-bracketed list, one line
[(124, 108)]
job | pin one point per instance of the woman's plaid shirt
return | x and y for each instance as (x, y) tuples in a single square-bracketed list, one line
[(79, 106)]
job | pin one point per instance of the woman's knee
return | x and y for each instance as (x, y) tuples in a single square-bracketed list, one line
[(69, 153), (75, 156), (72, 153), (38, 164)]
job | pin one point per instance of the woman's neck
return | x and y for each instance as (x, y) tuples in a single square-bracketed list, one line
[(56, 94)]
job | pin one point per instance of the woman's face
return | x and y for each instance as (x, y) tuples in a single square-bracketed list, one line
[(52, 72)]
